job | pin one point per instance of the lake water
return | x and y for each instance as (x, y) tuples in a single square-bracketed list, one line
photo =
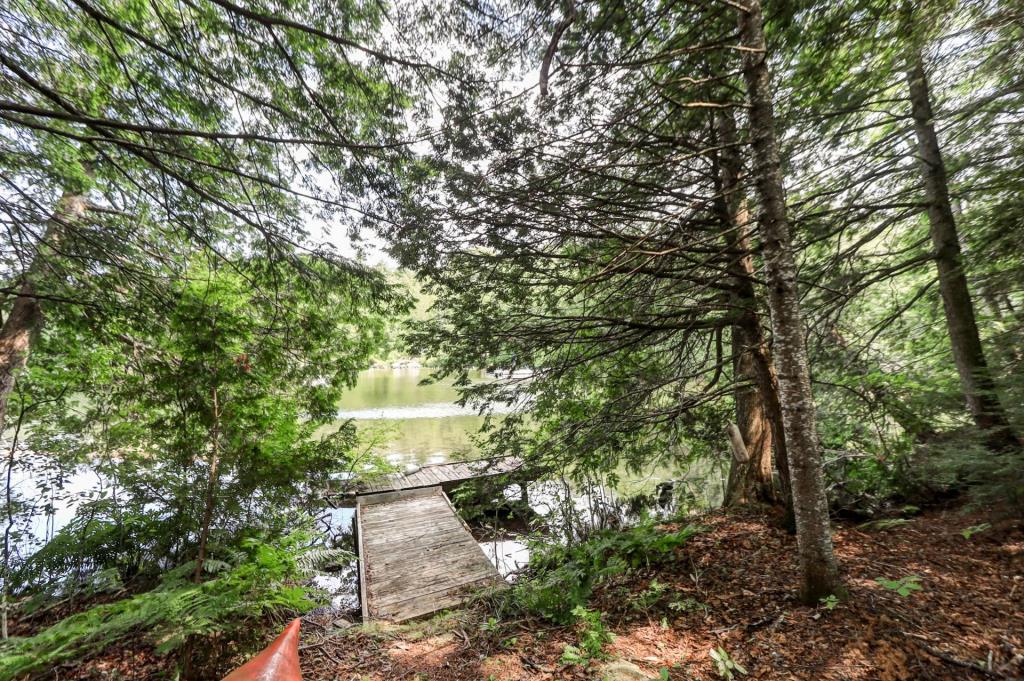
[(415, 421)]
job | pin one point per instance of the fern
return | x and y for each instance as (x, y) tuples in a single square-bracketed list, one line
[(560, 578), (172, 613), (320, 558), (212, 566), (884, 524)]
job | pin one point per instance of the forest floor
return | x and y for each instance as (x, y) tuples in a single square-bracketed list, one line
[(732, 586), (735, 582)]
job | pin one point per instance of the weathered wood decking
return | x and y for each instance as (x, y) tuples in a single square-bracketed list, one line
[(416, 555), (446, 475)]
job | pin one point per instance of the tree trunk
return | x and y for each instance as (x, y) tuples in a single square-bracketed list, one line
[(1012, 353), (23, 322), (975, 377), (752, 477), (820, 574), (768, 386), (26, 316), (8, 530), (759, 425)]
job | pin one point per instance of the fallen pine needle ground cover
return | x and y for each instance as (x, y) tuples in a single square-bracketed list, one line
[(931, 598), (938, 596)]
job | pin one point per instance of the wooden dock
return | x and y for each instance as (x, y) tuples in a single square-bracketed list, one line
[(446, 475), (416, 555)]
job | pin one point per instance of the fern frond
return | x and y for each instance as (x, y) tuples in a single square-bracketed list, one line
[(213, 566), (319, 558)]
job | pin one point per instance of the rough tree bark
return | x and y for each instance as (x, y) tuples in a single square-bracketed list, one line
[(975, 376), (758, 413), (26, 316), (750, 481), (820, 573)]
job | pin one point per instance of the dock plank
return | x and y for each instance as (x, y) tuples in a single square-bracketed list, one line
[(417, 556), (446, 475)]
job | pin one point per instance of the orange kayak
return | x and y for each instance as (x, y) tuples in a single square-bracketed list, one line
[(277, 662)]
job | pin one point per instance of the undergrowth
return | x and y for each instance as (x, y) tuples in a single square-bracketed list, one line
[(263, 578), (560, 579), (593, 636)]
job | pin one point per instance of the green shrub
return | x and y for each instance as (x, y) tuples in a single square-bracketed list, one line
[(263, 579), (961, 464), (101, 537), (561, 578), (593, 634), (861, 484)]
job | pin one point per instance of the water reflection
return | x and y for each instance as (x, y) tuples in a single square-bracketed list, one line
[(440, 410), (414, 420), (377, 388)]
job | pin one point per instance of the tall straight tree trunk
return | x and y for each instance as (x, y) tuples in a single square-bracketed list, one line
[(975, 376), (26, 316), (820, 573), (1012, 353), (758, 423)]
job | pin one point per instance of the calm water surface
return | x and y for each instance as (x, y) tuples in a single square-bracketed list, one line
[(416, 420)]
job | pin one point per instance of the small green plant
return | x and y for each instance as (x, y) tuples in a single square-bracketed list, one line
[(969, 532), (650, 596), (662, 674), (884, 524), (593, 637), (573, 655), (904, 586), (830, 602), (725, 666), (688, 605)]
